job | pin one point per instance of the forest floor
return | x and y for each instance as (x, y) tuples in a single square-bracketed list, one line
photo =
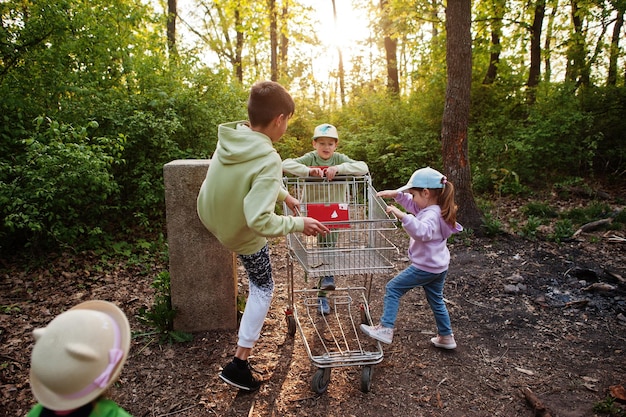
[(537, 324)]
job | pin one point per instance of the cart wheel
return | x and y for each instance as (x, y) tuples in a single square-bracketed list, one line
[(291, 325), (320, 381), (366, 378)]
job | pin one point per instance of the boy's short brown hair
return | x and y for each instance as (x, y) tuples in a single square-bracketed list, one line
[(267, 100)]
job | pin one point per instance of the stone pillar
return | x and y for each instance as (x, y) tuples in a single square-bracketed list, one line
[(203, 273)]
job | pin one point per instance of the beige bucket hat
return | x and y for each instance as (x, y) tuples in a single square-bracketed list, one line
[(79, 355)]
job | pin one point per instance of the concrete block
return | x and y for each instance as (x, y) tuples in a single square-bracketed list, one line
[(203, 273)]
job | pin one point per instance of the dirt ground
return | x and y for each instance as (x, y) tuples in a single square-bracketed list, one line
[(529, 316)]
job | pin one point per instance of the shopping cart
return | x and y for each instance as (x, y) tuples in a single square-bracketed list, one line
[(357, 248)]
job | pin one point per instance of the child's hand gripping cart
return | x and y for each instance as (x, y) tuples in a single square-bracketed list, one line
[(357, 248)]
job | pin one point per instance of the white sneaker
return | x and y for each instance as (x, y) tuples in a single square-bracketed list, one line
[(378, 332), (444, 342)]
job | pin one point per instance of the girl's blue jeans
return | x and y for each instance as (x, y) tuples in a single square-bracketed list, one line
[(408, 279)]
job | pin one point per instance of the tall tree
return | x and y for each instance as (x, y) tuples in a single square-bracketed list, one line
[(497, 11), (227, 30), (172, 14), (271, 5), (549, 38), (391, 48), (456, 109), (284, 39), (577, 69), (340, 70), (534, 73), (620, 8)]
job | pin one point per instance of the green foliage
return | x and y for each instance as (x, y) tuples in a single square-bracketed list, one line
[(500, 181), (563, 229), (594, 211), (508, 133), (58, 189), (387, 134), (161, 314), (529, 229), (539, 209), (491, 226), (609, 408), (563, 188)]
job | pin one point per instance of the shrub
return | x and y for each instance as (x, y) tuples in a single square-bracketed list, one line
[(59, 189)]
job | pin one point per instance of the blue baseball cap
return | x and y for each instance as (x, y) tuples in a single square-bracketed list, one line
[(425, 178), (325, 131)]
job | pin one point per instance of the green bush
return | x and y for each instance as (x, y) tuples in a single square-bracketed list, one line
[(491, 226), (59, 189), (563, 229)]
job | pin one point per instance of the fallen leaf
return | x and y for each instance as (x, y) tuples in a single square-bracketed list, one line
[(524, 371), (618, 392)]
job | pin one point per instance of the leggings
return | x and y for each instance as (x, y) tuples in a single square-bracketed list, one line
[(261, 290)]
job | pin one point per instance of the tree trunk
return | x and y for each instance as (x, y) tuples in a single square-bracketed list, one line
[(391, 50), (273, 40), (172, 13), (340, 70), (577, 70), (284, 40), (496, 33), (456, 110), (238, 64), (547, 45), (534, 74), (614, 49)]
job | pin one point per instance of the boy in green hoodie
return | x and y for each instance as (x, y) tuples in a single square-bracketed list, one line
[(236, 203)]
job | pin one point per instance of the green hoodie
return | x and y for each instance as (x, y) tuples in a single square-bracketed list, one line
[(243, 183)]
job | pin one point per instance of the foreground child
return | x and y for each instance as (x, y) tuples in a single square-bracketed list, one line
[(76, 358)]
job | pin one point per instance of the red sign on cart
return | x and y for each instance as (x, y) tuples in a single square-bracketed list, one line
[(329, 213)]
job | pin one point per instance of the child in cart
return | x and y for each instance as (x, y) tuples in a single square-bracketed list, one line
[(76, 358), (236, 203), (428, 198), (324, 161)]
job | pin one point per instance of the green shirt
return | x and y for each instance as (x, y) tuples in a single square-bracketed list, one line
[(326, 192), (101, 408), (346, 165)]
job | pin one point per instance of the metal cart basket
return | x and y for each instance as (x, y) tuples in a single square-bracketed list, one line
[(357, 248)]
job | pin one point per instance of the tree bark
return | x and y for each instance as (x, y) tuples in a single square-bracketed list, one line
[(614, 49), (284, 40), (273, 40), (172, 13), (238, 62), (496, 33), (547, 45), (391, 50), (534, 74), (577, 70), (340, 70), (456, 110)]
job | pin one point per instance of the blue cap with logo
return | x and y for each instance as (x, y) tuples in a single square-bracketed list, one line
[(325, 131), (425, 178)]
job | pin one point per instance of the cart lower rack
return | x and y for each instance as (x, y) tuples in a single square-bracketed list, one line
[(357, 248)]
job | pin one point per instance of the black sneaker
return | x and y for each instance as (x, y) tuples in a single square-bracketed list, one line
[(240, 377)]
